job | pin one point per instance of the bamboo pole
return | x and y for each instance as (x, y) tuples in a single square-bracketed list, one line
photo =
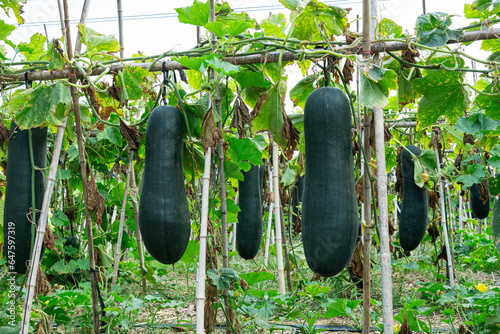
[(285, 252), (367, 217), (42, 224), (118, 252), (120, 27), (270, 219), (460, 215), (271, 57), (83, 18), (138, 237), (201, 275), (277, 219), (83, 170), (449, 262)]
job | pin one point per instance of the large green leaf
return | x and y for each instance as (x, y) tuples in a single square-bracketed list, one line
[(224, 67), (235, 23), (274, 25), (375, 86), (387, 28), (243, 150), (251, 79), (295, 4), (490, 104), (495, 224), (475, 174), (254, 278), (477, 125), (223, 277), (198, 63), (35, 49), (482, 9), (56, 59), (132, 82), (300, 92), (492, 45), (40, 106), (270, 117), (433, 29), (96, 42), (443, 94), (332, 18), (197, 14), (5, 29)]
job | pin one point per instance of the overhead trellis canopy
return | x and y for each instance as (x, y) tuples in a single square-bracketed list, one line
[(264, 57)]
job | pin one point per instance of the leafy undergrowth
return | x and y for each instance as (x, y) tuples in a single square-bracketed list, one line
[(421, 292)]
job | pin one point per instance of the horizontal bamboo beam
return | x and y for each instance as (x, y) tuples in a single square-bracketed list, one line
[(271, 57)]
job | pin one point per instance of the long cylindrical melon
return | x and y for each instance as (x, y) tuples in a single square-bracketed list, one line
[(329, 204), (163, 208), (18, 222), (479, 208), (415, 204), (249, 227)]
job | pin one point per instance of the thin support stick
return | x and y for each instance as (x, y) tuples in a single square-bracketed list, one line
[(42, 224), (120, 27), (277, 219), (201, 275), (460, 215), (118, 248), (83, 18), (367, 217), (442, 191), (270, 219)]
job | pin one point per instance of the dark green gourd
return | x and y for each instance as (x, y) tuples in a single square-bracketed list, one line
[(297, 199), (249, 227), (415, 205), (163, 208), (17, 218), (479, 208), (329, 204)]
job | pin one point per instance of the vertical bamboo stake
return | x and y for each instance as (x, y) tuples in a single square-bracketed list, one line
[(460, 216), (277, 215), (443, 220), (42, 223), (367, 217), (83, 170), (138, 236), (118, 252), (285, 250), (270, 219), (120, 27), (83, 18), (201, 275)]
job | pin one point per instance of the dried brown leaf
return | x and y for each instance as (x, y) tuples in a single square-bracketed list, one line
[(458, 161), (104, 114), (132, 135), (469, 139), (241, 117), (95, 200), (405, 327), (115, 92), (291, 134), (410, 56), (356, 262), (316, 277), (4, 134), (433, 200), (211, 135), (42, 285), (260, 102), (436, 142), (433, 231), (348, 71), (484, 194), (49, 240)]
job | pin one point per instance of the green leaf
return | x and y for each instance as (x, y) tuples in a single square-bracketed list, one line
[(336, 308), (218, 28), (332, 19), (96, 42), (223, 277), (35, 49), (492, 45), (132, 82), (221, 66), (198, 63), (315, 289), (244, 150), (475, 174), (489, 104), (275, 25), (406, 94), (232, 170), (494, 182), (192, 250), (253, 278), (56, 59), (197, 14), (443, 94), (295, 4), (251, 79), (477, 125), (433, 30), (288, 177), (40, 106), (389, 29), (235, 23), (495, 220), (270, 117), (300, 92), (5, 29), (375, 86)]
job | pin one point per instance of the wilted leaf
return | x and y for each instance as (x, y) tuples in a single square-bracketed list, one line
[(95, 200), (131, 82), (241, 117), (443, 95), (387, 28), (211, 135), (132, 135), (332, 19)]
